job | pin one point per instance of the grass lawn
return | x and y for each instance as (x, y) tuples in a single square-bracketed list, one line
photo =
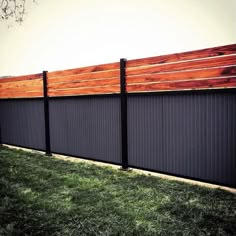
[(42, 195)]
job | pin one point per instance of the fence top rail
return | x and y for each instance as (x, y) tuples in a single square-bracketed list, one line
[(85, 70), (21, 78), (184, 56)]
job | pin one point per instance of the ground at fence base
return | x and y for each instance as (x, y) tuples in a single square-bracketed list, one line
[(142, 172)]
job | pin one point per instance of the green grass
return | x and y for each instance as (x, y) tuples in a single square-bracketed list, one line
[(41, 195)]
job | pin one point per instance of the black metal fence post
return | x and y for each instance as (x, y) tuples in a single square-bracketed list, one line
[(0, 135), (46, 115), (123, 95)]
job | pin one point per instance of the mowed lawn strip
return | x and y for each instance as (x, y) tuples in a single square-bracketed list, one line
[(41, 195)]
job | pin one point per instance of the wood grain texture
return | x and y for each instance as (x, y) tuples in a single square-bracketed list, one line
[(86, 70), (88, 83), (82, 77), (180, 66), (201, 69), (182, 75), (197, 54), (21, 95), (22, 84), (22, 89), (29, 87), (85, 91), (21, 78), (228, 82)]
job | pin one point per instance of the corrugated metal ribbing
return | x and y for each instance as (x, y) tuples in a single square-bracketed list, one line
[(145, 131), (87, 127), (192, 135), (22, 123)]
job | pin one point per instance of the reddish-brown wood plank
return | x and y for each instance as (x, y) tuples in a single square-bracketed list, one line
[(228, 82), (182, 75), (81, 77), (22, 89), (89, 83), (203, 53), (22, 84), (84, 91), (179, 66), (23, 77), (21, 95), (88, 69)]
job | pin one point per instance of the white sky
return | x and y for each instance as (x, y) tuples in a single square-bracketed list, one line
[(64, 34)]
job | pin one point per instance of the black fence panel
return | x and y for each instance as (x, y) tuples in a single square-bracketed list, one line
[(186, 134), (22, 123), (87, 126)]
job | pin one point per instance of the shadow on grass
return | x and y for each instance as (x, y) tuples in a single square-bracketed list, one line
[(45, 196)]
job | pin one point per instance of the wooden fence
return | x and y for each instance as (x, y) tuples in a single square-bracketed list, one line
[(204, 81), (211, 68)]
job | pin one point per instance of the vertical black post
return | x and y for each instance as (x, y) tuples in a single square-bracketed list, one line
[(123, 95), (46, 114), (0, 136)]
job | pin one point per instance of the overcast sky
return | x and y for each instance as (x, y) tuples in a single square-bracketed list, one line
[(66, 34)]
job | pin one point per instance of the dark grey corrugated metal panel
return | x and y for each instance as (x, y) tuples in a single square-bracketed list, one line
[(144, 131), (87, 127), (192, 135), (22, 122)]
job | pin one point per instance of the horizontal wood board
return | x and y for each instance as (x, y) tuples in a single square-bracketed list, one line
[(86, 70), (100, 79), (191, 55), (202, 69), (22, 86), (210, 68), (226, 82)]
